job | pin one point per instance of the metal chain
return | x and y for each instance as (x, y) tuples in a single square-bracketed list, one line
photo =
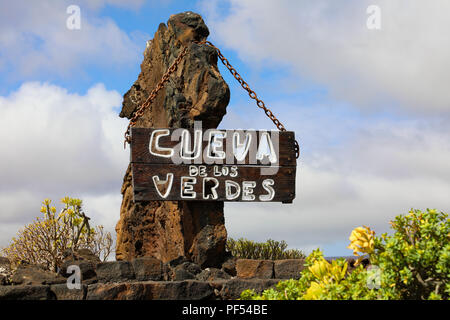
[(235, 74), (140, 111), (251, 93)]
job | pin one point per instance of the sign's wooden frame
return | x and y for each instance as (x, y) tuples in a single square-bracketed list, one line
[(169, 165)]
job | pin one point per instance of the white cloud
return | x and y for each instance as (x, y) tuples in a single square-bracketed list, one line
[(402, 65), (35, 40), (56, 143), (352, 171), (97, 4), (61, 143), (356, 167)]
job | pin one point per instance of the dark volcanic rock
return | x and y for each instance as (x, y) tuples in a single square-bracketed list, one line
[(229, 266), (169, 229), (289, 268), (61, 292), (210, 274), (81, 255), (87, 269), (249, 268), (39, 292), (185, 271), (177, 261), (148, 268), (151, 290), (35, 275), (115, 271), (85, 260)]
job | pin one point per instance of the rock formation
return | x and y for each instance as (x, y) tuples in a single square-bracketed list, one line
[(168, 229), (147, 278)]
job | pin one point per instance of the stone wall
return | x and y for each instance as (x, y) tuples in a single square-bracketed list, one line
[(147, 278)]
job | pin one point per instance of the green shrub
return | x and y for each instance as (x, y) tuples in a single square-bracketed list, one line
[(269, 250), (45, 241), (412, 263)]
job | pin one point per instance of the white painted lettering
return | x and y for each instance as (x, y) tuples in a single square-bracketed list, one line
[(163, 184), (229, 192), (267, 185), (158, 149), (247, 190), (187, 187)]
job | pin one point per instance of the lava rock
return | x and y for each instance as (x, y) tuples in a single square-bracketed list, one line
[(115, 271), (168, 229), (229, 266), (85, 260), (39, 292), (35, 275), (289, 268), (185, 271), (210, 274), (249, 268), (151, 290), (62, 292), (148, 268)]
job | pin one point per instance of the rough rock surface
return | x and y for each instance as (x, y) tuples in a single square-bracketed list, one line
[(197, 91), (148, 268), (248, 268), (289, 268), (115, 271), (35, 275), (211, 274), (184, 271), (61, 292), (117, 281), (85, 260), (151, 290), (35, 292), (229, 266)]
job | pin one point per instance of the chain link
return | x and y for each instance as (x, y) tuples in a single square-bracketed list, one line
[(140, 111), (252, 94)]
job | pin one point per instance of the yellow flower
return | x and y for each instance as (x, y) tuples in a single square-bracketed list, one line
[(43, 209), (362, 240), (320, 268), (46, 202), (326, 272), (77, 202), (53, 209), (313, 291), (338, 272)]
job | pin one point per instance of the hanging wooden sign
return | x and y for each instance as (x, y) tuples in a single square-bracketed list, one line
[(213, 165)]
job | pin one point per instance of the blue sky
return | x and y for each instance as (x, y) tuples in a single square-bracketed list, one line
[(369, 107)]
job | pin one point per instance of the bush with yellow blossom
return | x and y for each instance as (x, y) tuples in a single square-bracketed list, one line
[(412, 263), (45, 240), (362, 242)]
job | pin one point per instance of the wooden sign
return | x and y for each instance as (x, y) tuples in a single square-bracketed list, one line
[(213, 165)]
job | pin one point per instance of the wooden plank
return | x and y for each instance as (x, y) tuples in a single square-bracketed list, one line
[(210, 183), (140, 149)]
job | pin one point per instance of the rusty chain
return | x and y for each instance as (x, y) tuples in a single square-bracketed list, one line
[(140, 111), (235, 74)]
